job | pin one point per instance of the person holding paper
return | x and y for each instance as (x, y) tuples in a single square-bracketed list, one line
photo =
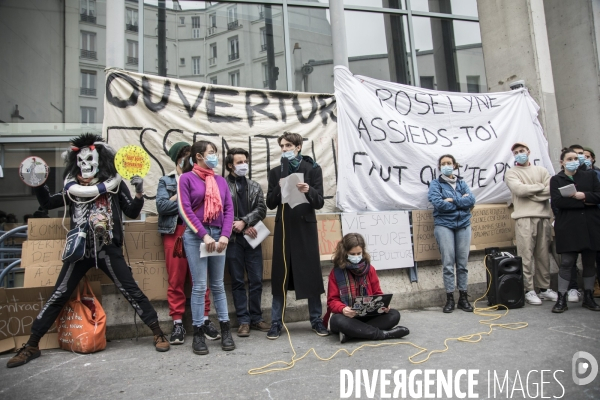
[(577, 227), (452, 201), (352, 276), (206, 208), (171, 227), (530, 188), (299, 267), (249, 208)]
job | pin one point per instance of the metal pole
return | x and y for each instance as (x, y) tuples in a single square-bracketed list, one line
[(338, 33), (287, 47), (141, 36), (162, 38)]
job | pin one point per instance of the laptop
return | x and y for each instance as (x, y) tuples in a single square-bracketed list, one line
[(370, 306)]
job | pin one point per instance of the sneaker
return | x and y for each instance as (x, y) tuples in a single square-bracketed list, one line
[(274, 331), (23, 356), (243, 330), (178, 334), (532, 298), (549, 295), (210, 330), (320, 329), (161, 343), (573, 296), (261, 326)]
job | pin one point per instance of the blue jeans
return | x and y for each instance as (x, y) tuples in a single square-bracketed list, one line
[(199, 267), (241, 257), (454, 246), (314, 309)]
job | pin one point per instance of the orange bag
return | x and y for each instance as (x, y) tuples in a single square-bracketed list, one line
[(82, 323)]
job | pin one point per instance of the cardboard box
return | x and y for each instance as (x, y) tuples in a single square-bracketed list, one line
[(270, 224), (267, 248), (143, 242), (424, 243), (330, 233), (41, 252), (47, 229), (152, 278), (267, 268)]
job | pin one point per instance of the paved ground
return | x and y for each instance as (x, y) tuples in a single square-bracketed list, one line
[(134, 370)]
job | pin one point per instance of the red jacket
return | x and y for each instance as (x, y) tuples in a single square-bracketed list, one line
[(335, 304)]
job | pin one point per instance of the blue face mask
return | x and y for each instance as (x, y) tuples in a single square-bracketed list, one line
[(288, 154), (588, 163), (355, 259), (572, 166), (521, 158), (211, 161), (447, 170), (581, 158)]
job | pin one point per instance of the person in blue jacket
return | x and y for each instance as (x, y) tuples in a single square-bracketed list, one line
[(452, 203)]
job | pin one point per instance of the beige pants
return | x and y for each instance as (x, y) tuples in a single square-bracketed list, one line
[(533, 236)]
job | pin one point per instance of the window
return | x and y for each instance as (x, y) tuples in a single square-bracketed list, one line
[(132, 52), (261, 11), (473, 83), (213, 80), (196, 65), (88, 115), (234, 49), (88, 83), (195, 27), (234, 78), (232, 20), (265, 72), (87, 10), (263, 39), (213, 55), (428, 82), (88, 45), (212, 21), (131, 20), (182, 62), (181, 20)]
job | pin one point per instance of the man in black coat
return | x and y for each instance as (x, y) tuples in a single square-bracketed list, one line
[(296, 260)]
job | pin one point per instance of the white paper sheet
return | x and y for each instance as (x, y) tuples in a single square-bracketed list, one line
[(262, 233), (204, 253), (290, 193), (567, 191)]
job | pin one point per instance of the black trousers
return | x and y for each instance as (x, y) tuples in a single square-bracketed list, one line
[(112, 263), (364, 327), (573, 284)]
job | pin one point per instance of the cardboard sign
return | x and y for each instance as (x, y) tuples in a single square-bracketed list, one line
[(152, 278), (132, 160), (387, 236), (46, 275), (41, 252), (330, 233), (46, 229), (491, 225), (143, 242)]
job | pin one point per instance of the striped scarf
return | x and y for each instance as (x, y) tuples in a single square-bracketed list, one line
[(354, 283)]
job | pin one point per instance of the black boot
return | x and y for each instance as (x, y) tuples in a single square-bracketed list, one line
[(588, 301), (199, 345), (463, 302), (561, 303), (449, 307), (396, 332), (226, 338)]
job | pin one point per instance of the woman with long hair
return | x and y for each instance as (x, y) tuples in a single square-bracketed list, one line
[(452, 201), (576, 227), (206, 207), (352, 276)]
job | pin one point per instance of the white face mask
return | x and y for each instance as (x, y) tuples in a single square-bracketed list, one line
[(87, 161), (355, 259), (241, 169)]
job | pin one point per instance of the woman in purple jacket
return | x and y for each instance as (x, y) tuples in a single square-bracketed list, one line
[(206, 207)]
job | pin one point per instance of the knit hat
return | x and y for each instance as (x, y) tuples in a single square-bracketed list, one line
[(174, 150), (590, 150)]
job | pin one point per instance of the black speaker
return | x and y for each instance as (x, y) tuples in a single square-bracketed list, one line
[(506, 272)]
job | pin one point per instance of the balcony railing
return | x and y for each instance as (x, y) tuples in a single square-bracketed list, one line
[(131, 27), (132, 60), (233, 25), (263, 47), (89, 54), (88, 18), (87, 91), (212, 61), (211, 30), (234, 56)]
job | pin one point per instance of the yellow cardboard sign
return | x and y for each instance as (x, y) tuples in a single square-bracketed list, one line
[(132, 160)]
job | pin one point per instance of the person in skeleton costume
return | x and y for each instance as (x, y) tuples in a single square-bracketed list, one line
[(95, 196)]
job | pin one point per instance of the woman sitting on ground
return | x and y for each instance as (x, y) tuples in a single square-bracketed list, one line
[(352, 276)]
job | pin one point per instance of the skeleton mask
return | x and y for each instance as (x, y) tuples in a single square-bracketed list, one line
[(87, 161)]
